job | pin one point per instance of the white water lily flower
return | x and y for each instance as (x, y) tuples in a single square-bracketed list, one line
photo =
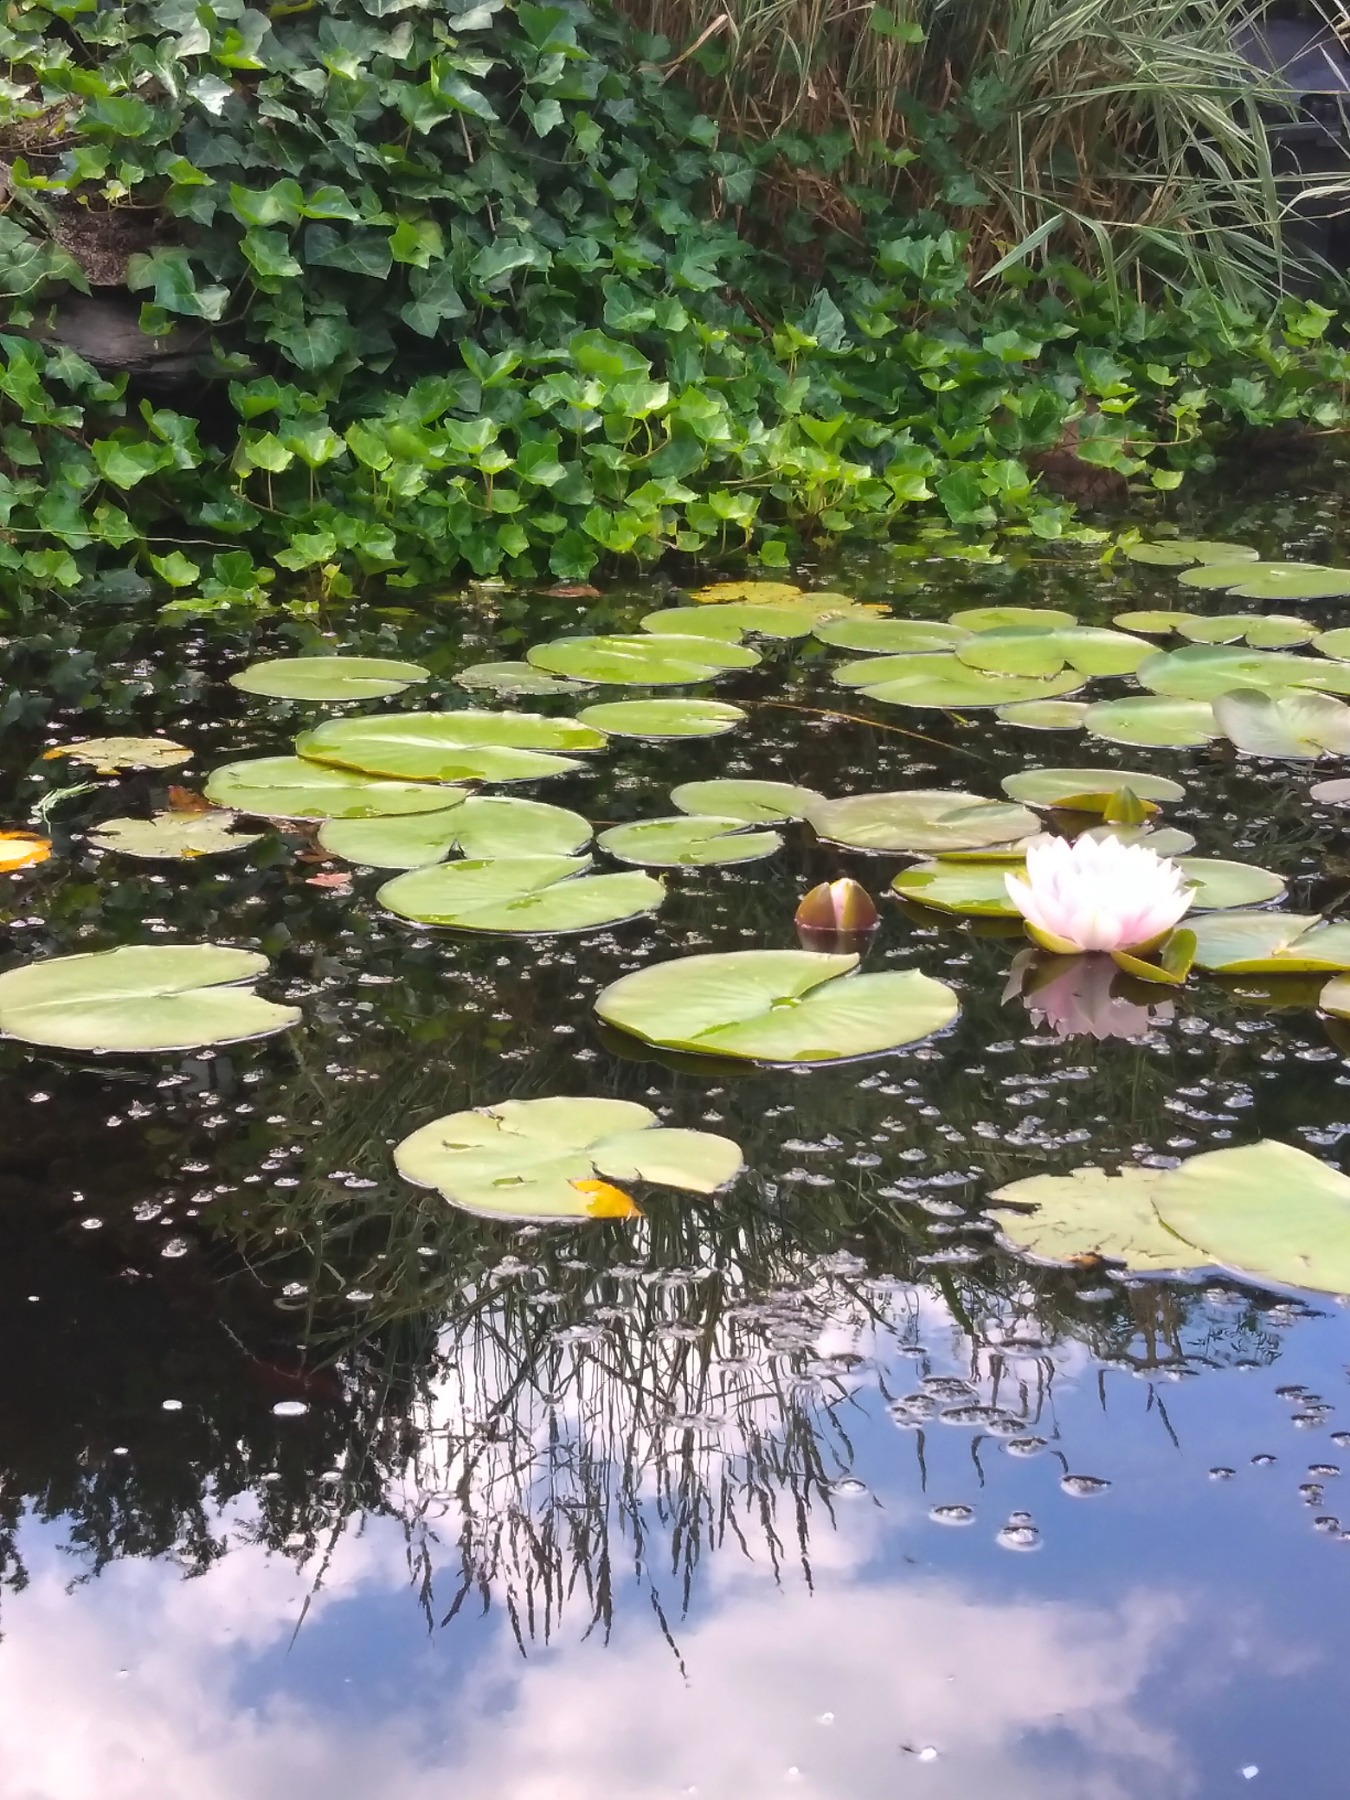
[(1098, 894)]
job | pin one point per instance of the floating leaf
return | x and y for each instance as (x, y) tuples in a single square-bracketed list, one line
[(114, 755), (752, 802), (1331, 793), (1219, 884), (776, 1006), (1265, 1209), (520, 894), (1154, 623), (1012, 618), (1263, 631), (1272, 581), (1089, 1214), (515, 678), (1172, 553), (1295, 724), (1087, 790), (454, 746), (543, 1159), (1152, 723), (642, 660), (1204, 671), (328, 677), (978, 890), (731, 621), (287, 787), (1335, 997), (1270, 943), (921, 821), (1334, 643), (173, 836), (142, 997), (478, 827), (885, 637), (751, 593), (1045, 715), (1162, 840), (22, 849), (1031, 651), (687, 840), (943, 680), (658, 719)]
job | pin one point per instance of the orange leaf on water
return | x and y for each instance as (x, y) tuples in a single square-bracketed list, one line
[(188, 800), (20, 849), (337, 879), (606, 1202)]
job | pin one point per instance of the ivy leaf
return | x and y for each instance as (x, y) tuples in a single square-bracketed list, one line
[(269, 252), (416, 241), (318, 344), (175, 569), (126, 464), (168, 272)]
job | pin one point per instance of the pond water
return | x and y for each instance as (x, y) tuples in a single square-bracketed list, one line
[(312, 1485)]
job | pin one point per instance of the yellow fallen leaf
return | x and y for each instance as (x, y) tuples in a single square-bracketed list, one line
[(19, 849), (749, 593), (606, 1202)]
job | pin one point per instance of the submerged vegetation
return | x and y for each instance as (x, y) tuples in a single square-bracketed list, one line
[(480, 290)]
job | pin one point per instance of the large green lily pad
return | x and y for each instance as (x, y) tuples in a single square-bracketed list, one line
[(979, 890), (1175, 553), (752, 802), (940, 679), (555, 1158), (514, 678), (1045, 715), (643, 660), (658, 719), (1089, 1213), (453, 746), (117, 755), (1295, 723), (1012, 618), (921, 821), (1204, 671), (1269, 943), (1150, 722), (776, 1006), (1334, 643), (1087, 790), (735, 619), (525, 895), (1029, 651), (1262, 631), (332, 678), (687, 841), (142, 997), (887, 637), (173, 836), (1272, 581), (479, 826), (288, 787), (1265, 1209)]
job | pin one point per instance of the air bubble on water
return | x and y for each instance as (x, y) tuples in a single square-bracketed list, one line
[(1019, 1537), (1222, 1474), (171, 1405), (290, 1409), (1263, 1460), (1082, 1487), (951, 1515), (1025, 1446), (928, 1754), (850, 1485)]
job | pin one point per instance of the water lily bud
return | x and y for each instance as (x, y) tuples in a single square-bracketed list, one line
[(838, 906)]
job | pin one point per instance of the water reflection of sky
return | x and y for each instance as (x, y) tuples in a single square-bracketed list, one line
[(1169, 1633)]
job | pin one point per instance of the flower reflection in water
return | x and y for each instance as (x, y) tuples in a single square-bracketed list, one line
[(1084, 996)]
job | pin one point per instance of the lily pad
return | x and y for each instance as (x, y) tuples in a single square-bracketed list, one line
[(1220, 885), (979, 890), (1088, 1214), (752, 593), (173, 836), (752, 802), (1272, 581), (526, 895), (1031, 651), (480, 826), (1334, 643), (776, 1006), (732, 620), (1262, 631), (1204, 671), (886, 637), (642, 660), (921, 821), (1269, 943), (1012, 618), (142, 997), (515, 678), (1152, 623), (1045, 715), (328, 677), (555, 1159), (943, 680), (1295, 724), (1162, 840), (1087, 790), (452, 746), (1150, 722), (658, 719), (1173, 553), (687, 841), (116, 755), (1265, 1209), (288, 787), (1331, 793)]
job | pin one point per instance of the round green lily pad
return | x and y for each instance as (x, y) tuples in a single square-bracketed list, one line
[(886, 637), (452, 746), (942, 680), (658, 719), (1024, 651), (116, 755), (776, 1006), (643, 660), (1062, 787), (1151, 622), (1269, 943), (333, 678), (1204, 671), (687, 841), (733, 620), (1150, 722), (1174, 553), (142, 997), (479, 826), (752, 802), (1045, 715), (1014, 618), (1334, 643), (288, 787), (1220, 885), (921, 821), (555, 1158), (514, 678), (974, 890), (1089, 1213), (1294, 723), (173, 836), (525, 895), (1271, 581), (1262, 631)]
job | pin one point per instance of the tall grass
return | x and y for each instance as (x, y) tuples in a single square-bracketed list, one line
[(1128, 131)]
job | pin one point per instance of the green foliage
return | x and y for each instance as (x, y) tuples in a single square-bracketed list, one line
[(475, 283)]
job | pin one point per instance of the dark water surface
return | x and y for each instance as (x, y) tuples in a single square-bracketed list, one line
[(310, 1486)]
